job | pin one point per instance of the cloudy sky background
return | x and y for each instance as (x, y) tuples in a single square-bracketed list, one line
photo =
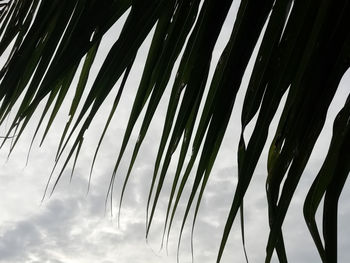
[(72, 226)]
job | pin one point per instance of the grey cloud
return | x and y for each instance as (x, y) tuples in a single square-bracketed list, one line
[(73, 224), (22, 237)]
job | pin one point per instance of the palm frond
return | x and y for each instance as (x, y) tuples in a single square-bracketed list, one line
[(304, 52)]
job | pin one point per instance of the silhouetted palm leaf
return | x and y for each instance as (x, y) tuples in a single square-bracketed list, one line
[(305, 51)]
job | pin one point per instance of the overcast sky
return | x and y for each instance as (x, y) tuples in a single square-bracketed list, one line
[(73, 227)]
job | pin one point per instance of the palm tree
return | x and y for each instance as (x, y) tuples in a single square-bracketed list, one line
[(304, 52)]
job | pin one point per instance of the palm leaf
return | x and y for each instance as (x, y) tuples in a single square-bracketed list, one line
[(304, 52)]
